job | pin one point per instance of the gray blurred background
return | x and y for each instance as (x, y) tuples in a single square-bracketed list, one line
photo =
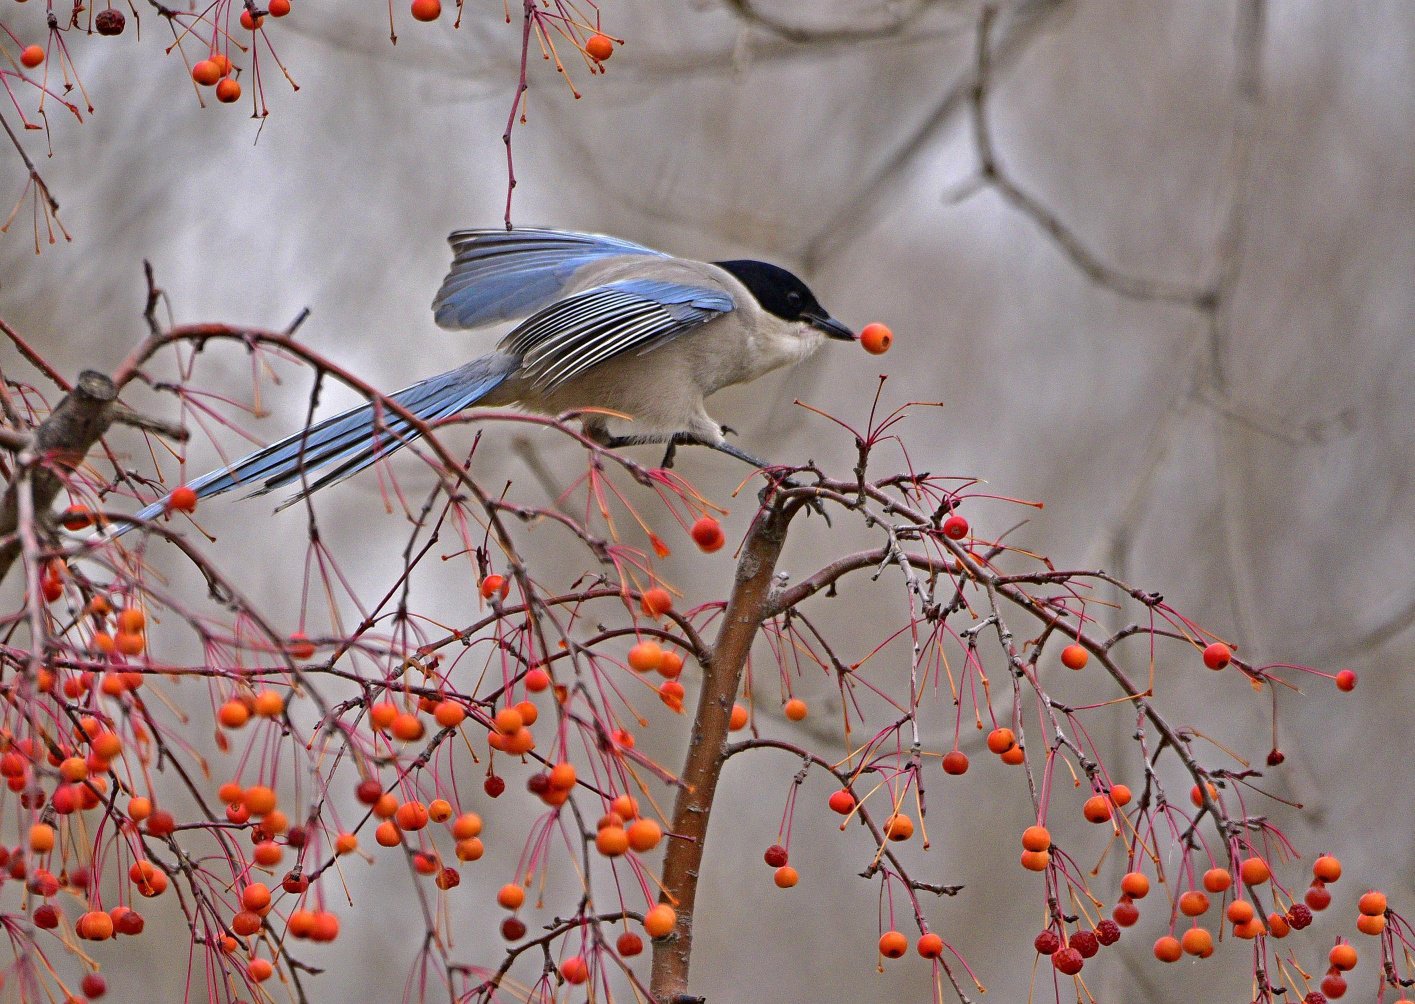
[(1226, 418)]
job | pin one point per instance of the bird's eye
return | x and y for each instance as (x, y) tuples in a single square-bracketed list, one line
[(794, 298)]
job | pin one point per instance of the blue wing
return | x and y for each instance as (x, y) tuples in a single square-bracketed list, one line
[(354, 439), (570, 336), (501, 275)]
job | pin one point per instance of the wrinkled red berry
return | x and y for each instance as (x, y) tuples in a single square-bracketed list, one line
[(1299, 916), (494, 785), (1086, 943), (1276, 756), (1067, 961), (1047, 942), (1107, 932), (775, 856), (512, 929), (1315, 997)]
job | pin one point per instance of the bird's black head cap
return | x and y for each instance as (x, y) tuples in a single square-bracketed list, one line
[(782, 294)]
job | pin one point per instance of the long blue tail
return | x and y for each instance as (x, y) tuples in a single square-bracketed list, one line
[(353, 440)]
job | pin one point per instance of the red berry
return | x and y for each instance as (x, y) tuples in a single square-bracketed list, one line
[(930, 946), (1068, 961), (31, 56), (1217, 655), (227, 92), (1346, 680), (955, 763), (431, 10), (1107, 932), (250, 23), (494, 785), (1334, 986), (184, 498), (93, 986), (629, 944), (1086, 943), (1075, 657), (1317, 897), (707, 534), (1046, 942), (842, 802), (512, 929), (775, 856), (278, 8), (955, 527), (1126, 913), (1299, 916), (109, 22)]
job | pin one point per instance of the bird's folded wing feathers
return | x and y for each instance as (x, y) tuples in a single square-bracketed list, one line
[(565, 339), (502, 275)]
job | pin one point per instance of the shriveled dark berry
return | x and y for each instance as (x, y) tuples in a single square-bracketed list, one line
[(775, 856), (494, 785), (1107, 932), (1315, 997), (1299, 916), (110, 22), (512, 929), (1086, 943), (1276, 756), (1047, 942)]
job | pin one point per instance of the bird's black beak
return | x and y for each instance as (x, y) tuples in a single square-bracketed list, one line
[(832, 327)]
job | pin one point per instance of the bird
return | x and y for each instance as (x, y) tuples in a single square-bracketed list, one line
[(605, 324)]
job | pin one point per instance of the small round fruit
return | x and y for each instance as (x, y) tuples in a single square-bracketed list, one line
[(898, 827), (1135, 885), (1343, 957), (876, 338), (1001, 740), (227, 92), (738, 719), (1075, 657), (205, 72), (644, 835), (955, 762), (575, 969), (599, 47), (537, 680), (842, 802), (249, 22), (278, 8), (1240, 911), (511, 896), (1193, 903), (1097, 809), (786, 877), (645, 657), (795, 709), (1046, 942), (1346, 680), (660, 921), (31, 56), (494, 585), (612, 841), (1372, 904), (955, 527), (1036, 861), (1327, 868), (1367, 924), (893, 945), (1317, 897), (1014, 756), (656, 601), (1036, 838), (1197, 941), (1217, 655), (628, 944), (109, 22), (1254, 871), (1217, 880), (1168, 949), (930, 945), (184, 498), (1120, 794), (1067, 961), (707, 534), (1126, 913)]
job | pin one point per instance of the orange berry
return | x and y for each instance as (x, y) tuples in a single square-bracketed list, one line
[(278, 8), (795, 709), (407, 727), (230, 792), (537, 680), (411, 816), (955, 762), (1278, 925), (267, 853), (233, 714), (467, 825), (31, 56), (1036, 838), (300, 647), (1343, 957), (707, 534), (575, 969), (645, 656), (346, 843), (439, 810), (259, 970), (301, 923), (529, 713), (738, 719), (41, 838), (1197, 797), (1097, 809), (1249, 929), (449, 714), (256, 896), (183, 498), (222, 63), (227, 92), (898, 827), (511, 896), (1217, 655), (599, 47), (644, 835), (1372, 904), (250, 23), (1135, 885), (1075, 656), (930, 946), (670, 665), (1326, 868), (1367, 924), (493, 585), (1036, 861), (1001, 740), (73, 769), (660, 920), (786, 877), (563, 776), (1193, 903), (1346, 680), (95, 925), (132, 620), (1217, 879), (656, 601), (876, 338), (612, 841), (508, 720), (384, 806), (1254, 871), (470, 849), (259, 799), (1197, 941), (1168, 949), (1120, 794), (427, 10), (387, 834), (269, 703), (139, 808), (625, 806), (130, 643), (893, 945), (206, 72), (1240, 911), (1014, 756), (521, 742)]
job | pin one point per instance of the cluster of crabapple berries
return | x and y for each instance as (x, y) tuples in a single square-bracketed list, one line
[(651, 657), (1069, 956), (893, 945)]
